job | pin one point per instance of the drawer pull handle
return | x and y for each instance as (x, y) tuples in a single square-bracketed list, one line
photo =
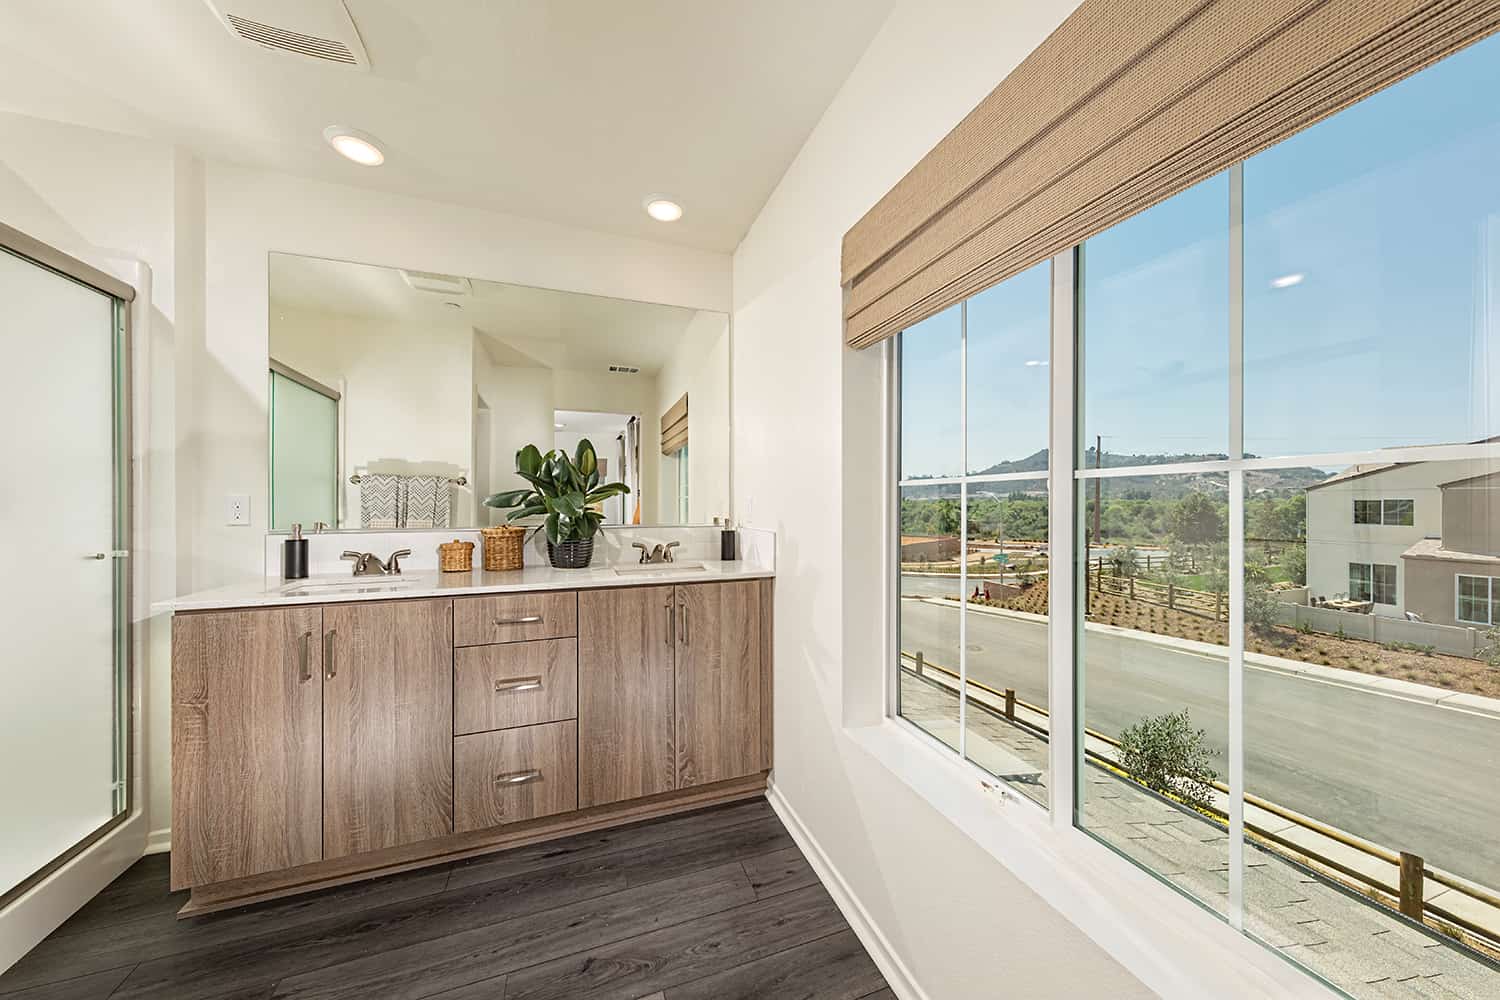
[(528, 620), (518, 777), (330, 671), (507, 684)]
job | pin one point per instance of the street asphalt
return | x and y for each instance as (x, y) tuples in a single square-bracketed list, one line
[(1408, 775)]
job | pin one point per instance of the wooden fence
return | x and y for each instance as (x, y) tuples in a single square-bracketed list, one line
[(1103, 579)]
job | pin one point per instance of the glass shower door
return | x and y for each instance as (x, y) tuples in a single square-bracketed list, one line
[(64, 674)]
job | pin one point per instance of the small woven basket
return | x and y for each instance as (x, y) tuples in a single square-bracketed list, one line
[(456, 557), (504, 547)]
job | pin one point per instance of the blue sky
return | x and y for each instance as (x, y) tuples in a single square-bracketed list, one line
[(1372, 300)]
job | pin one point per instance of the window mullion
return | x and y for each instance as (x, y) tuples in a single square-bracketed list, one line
[(1064, 743), (1236, 742), (963, 530)]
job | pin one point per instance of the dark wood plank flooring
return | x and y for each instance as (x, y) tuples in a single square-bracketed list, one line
[(711, 905)]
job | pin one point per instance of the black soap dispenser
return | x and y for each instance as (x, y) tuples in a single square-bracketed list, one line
[(294, 556), (729, 541)]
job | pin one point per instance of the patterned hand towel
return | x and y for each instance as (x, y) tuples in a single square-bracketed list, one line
[(427, 502), (380, 501)]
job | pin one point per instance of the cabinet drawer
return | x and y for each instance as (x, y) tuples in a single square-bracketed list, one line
[(514, 684), (514, 774), (478, 621)]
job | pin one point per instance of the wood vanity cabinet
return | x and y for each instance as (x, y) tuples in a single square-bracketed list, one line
[(671, 683), (316, 744), (308, 733), (247, 743), (387, 724)]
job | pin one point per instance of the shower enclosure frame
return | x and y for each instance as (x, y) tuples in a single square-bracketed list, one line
[(121, 555)]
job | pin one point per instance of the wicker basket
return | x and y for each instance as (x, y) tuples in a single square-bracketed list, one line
[(456, 557), (504, 548)]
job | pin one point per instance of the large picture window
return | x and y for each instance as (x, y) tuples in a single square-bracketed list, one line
[(1236, 624)]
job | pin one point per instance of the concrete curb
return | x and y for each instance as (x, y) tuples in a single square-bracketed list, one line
[(1393, 687)]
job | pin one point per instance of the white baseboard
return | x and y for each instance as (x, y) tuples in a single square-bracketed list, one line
[(159, 841), (897, 976)]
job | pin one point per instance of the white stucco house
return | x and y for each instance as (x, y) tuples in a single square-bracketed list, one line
[(1410, 536)]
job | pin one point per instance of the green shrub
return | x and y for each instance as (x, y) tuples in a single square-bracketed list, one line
[(1167, 755)]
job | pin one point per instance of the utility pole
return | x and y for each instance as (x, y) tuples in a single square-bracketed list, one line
[(1098, 490)]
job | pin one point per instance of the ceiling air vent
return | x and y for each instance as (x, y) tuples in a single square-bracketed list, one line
[(313, 29), (431, 281), (625, 369)]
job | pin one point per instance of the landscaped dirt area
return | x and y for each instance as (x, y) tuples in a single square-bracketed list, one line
[(1452, 673)]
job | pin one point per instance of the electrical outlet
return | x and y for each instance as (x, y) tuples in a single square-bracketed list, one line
[(237, 509)]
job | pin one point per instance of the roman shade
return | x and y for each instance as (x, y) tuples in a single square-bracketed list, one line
[(1127, 103), (674, 427)]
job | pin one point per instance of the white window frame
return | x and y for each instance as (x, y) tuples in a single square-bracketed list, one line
[(1395, 583), (1386, 507), (1458, 603)]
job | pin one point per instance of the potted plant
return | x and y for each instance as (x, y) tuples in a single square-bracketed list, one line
[(566, 490)]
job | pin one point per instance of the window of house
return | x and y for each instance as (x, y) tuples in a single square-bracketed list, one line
[(1476, 600), (1214, 340), (974, 419), (1372, 582), (682, 486), (1392, 512)]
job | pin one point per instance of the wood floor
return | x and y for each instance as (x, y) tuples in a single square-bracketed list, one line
[(710, 905)]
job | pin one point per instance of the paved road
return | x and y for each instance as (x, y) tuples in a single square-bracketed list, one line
[(1405, 774)]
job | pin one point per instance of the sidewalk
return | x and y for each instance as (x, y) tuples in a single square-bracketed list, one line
[(1360, 947)]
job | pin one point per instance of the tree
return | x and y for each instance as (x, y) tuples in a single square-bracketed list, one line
[(1196, 520), (1260, 604), (1294, 561), (1167, 755)]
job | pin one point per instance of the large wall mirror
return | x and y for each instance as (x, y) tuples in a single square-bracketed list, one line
[(398, 398)]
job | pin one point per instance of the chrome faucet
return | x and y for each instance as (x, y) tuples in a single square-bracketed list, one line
[(656, 554), (369, 564)]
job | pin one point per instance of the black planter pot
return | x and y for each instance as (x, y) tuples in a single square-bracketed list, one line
[(571, 555)]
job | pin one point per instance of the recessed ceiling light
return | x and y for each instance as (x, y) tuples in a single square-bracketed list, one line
[(663, 209), (559, 427), (1287, 280), (352, 144)]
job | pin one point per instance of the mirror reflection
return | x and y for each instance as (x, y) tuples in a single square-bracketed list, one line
[(399, 398)]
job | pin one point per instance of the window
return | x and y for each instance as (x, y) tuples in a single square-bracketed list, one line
[(1215, 340), (973, 549), (682, 486), (1476, 600), (1372, 582), (1397, 512)]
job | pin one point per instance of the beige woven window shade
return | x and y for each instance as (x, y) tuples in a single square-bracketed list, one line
[(1127, 103), (674, 427)]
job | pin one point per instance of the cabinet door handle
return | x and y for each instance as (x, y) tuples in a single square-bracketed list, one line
[(330, 670), (506, 684), (518, 777), (685, 634), (528, 620), (671, 622), (305, 667)]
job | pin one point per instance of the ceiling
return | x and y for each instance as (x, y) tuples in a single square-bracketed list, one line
[(568, 110), (519, 327)]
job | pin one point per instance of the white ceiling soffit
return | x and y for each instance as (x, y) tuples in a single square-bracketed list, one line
[(320, 30), (567, 110)]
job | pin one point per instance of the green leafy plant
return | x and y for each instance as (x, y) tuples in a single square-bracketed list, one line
[(564, 489), (1167, 755)]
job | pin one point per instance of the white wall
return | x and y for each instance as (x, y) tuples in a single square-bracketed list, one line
[(407, 395), (701, 369), (807, 462)]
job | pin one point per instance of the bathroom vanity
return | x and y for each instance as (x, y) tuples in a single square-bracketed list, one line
[(321, 737)]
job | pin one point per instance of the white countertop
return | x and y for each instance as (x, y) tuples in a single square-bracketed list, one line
[(274, 592)]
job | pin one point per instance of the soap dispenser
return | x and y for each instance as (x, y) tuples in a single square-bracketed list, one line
[(294, 556)]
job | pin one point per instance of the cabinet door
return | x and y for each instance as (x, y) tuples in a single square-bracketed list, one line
[(718, 681), (625, 727), (387, 724), (247, 791)]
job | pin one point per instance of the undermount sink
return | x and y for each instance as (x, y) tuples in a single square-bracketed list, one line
[(360, 585), (633, 569)]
